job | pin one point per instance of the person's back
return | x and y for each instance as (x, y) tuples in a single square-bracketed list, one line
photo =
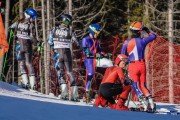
[(62, 37), (113, 75), (135, 47)]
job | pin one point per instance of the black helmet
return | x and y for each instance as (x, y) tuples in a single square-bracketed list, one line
[(66, 19)]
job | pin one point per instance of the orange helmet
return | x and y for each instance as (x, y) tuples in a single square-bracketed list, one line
[(136, 26), (121, 57)]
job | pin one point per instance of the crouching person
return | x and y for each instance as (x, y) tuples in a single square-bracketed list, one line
[(114, 84)]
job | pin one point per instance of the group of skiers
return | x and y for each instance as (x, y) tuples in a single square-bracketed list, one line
[(114, 86)]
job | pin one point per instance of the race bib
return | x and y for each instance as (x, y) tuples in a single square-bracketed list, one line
[(58, 44)]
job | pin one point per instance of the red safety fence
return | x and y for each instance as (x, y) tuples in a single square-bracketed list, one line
[(158, 73)]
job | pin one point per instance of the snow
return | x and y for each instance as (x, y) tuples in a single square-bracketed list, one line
[(20, 104)]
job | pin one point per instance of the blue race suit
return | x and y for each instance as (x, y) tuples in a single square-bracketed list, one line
[(90, 47)]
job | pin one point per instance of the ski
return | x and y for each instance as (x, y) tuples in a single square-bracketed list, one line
[(158, 111)]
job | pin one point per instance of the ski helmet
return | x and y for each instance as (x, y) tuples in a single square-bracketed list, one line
[(121, 57), (31, 12), (66, 19), (136, 26), (94, 29)]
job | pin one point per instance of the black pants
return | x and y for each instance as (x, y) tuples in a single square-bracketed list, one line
[(65, 61), (109, 90)]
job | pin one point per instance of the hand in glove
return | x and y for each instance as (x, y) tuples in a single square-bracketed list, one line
[(146, 29), (98, 55), (86, 50), (128, 82)]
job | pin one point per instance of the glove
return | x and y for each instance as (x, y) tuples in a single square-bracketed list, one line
[(146, 29), (98, 55), (2, 10), (128, 82), (86, 51)]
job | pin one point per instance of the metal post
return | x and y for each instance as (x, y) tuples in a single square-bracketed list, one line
[(170, 35)]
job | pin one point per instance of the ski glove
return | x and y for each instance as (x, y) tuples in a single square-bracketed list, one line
[(146, 29), (128, 82), (86, 51)]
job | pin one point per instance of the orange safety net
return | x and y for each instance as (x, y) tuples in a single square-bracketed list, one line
[(158, 62), (3, 42)]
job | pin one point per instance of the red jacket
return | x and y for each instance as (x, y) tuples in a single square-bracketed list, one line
[(113, 75)]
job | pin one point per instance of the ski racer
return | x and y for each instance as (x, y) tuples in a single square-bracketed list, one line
[(25, 32), (60, 39), (114, 85), (134, 48), (91, 46)]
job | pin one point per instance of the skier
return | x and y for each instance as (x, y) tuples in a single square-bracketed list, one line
[(134, 48), (60, 39), (114, 85), (25, 32), (91, 46)]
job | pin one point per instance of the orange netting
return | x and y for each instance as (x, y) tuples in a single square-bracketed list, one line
[(158, 69)]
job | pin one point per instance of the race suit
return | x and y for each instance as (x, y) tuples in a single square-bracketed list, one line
[(90, 47), (134, 48), (61, 39), (25, 33)]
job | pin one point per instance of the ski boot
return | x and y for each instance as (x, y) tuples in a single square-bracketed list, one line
[(100, 101), (151, 104), (143, 103), (112, 106), (24, 82), (32, 81), (74, 94), (64, 92), (121, 105)]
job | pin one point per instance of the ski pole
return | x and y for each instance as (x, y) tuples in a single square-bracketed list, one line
[(129, 98)]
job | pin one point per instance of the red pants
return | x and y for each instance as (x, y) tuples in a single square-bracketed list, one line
[(125, 92), (137, 72)]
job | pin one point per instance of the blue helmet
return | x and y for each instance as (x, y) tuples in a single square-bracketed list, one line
[(31, 12), (94, 29), (66, 19)]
